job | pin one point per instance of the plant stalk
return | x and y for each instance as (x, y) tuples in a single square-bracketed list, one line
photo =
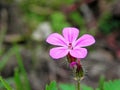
[(78, 84)]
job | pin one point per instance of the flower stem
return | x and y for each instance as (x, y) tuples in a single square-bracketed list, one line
[(78, 84)]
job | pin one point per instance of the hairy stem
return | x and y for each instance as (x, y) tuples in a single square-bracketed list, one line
[(78, 84)]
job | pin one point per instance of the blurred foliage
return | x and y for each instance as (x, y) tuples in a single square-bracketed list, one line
[(84, 87), (21, 80), (2, 35), (36, 11), (51, 86), (58, 21), (101, 83), (6, 85), (5, 58), (22, 71), (20, 76), (110, 85), (17, 79), (66, 87), (56, 4), (77, 19), (108, 24)]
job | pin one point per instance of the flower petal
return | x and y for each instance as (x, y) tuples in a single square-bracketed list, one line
[(85, 40), (70, 34), (58, 52), (79, 52), (56, 39)]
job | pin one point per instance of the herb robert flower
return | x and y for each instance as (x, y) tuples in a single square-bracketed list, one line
[(68, 44)]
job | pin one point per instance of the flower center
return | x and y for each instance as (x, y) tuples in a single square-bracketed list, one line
[(70, 46)]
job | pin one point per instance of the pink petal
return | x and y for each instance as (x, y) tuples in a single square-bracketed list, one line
[(56, 39), (70, 34), (58, 52), (85, 40), (79, 52)]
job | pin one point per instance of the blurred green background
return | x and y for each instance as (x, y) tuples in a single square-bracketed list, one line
[(25, 24)]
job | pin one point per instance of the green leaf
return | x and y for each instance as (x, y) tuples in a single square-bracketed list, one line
[(112, 85), (8, 80), (51, 86), (17, 79), (6, 85), (84, 87), (22, 69), (66, 87)]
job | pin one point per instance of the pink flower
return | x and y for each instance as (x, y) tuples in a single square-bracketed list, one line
[(69, 44)]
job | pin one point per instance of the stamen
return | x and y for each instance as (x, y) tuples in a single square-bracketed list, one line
[(70, 46)]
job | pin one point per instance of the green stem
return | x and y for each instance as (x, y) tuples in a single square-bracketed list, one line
[(78, 84)]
